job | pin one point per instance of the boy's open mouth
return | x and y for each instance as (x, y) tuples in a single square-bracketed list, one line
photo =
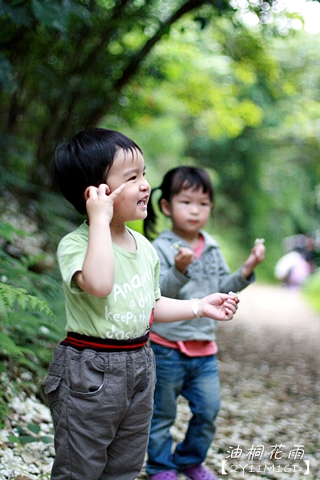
[(143, 201)]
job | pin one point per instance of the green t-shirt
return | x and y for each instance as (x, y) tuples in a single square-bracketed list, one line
[(127, 312)]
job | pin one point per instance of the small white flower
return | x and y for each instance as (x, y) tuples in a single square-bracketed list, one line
[(259, 241), (176, 245), (44, 330)]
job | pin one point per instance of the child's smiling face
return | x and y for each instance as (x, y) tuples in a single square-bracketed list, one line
[(130, 170)]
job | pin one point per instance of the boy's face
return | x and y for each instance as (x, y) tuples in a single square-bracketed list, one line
[(131, 204)]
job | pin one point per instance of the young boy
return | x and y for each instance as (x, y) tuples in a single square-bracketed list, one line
[(101, 380)]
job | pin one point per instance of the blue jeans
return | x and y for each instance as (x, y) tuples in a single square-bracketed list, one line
[(197, 380)]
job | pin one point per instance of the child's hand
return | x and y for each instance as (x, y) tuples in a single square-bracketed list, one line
[(183, 258), (218, 306), (99, 201), (256, 256)]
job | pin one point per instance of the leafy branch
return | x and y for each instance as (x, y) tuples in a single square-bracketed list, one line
[(11, 297), (29, 434)]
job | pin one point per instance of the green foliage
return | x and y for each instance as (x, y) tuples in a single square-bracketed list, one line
[(70, 62), (29, 434), (267, 174), (311, 290), (7, 78), (11, 297), (67, 64), (50, 14), (194, 86), (4, 407), (29, 328), (7, 232)]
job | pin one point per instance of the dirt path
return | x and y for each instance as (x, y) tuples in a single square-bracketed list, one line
[(276, 306), (273, 321), (270, 384)]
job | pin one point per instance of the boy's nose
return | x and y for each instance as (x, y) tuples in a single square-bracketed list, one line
[(144, 186)]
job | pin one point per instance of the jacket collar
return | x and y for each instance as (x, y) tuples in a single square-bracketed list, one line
[(173, 238)]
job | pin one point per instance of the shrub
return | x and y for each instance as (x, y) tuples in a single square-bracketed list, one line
[(29, 331), (311, 290)]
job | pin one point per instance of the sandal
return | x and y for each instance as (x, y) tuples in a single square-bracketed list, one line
[(165, 475), (198, 473)]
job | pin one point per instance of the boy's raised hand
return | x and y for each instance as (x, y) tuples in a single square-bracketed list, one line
[(99, 201), (218, 306), (99, 258)]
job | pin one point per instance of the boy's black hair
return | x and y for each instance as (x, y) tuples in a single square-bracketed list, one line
[(85, 161), (175, 180)]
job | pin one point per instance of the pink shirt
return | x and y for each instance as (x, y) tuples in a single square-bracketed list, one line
[(191, 348)]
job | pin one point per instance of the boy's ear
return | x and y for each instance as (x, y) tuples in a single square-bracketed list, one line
[(165, 207), (86, 193)]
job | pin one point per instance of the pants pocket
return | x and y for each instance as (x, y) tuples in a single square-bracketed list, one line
[(51, 388), (86, 375)]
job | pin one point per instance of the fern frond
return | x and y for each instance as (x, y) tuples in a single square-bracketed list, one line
[(8, 231), (8, 346), (11, 296), (3, 307)]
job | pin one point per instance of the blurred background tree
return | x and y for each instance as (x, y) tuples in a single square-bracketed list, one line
[(229, 85), (226, 93)]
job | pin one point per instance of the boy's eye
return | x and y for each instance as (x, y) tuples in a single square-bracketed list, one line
[(133, 177)]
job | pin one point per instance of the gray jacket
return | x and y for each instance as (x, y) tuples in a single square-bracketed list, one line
[(207, 275)]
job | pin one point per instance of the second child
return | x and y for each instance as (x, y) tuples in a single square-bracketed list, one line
[(192, 265)]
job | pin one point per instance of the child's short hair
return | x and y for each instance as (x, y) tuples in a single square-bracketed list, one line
[(175, 180), (85, 161)]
